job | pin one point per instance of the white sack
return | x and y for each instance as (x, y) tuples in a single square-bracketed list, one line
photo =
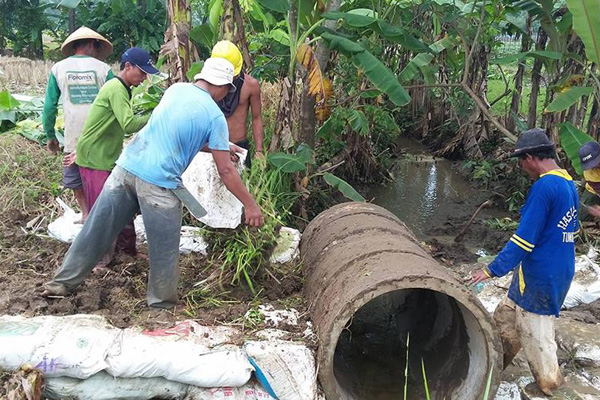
[(73, 346), (288, 367), (177, 359), (202, 179)]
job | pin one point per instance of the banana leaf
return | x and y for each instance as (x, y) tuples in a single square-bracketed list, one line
[(203, 35), (344, 187), (543, 54), (571, 140), (281, 6), (359, 123), (586, 22), (388, 31), (379, 75), (567, 98), (287, 162), (7, 101)]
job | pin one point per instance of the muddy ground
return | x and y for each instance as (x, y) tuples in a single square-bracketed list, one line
[(30, 260)]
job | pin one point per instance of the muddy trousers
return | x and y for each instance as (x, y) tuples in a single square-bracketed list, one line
[(535, 334), (123, 194)]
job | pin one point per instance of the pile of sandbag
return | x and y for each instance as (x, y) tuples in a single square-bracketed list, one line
[(85, 357)]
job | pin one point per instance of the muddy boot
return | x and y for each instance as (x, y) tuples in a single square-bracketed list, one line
[(505, 319)]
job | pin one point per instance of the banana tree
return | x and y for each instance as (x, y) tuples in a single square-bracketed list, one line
[(178, 48)]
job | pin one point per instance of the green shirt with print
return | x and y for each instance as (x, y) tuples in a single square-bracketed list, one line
[(110, 118)]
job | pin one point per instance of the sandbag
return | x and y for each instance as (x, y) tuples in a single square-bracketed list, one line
[(74, 346), (289, 368), (176, 358)]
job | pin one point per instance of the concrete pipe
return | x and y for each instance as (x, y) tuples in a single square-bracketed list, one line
[(375, 296)]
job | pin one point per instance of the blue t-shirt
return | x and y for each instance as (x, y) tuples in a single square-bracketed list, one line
[(543, 248), (183, 122)]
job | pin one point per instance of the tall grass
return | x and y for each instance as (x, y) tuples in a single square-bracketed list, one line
[(242, 253)]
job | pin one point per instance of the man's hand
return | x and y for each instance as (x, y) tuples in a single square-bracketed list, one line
[(234, 152), (253, 216), (478, 276), (69, 159), (53, 146)]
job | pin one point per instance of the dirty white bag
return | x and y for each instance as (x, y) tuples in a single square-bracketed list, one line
[(202, 179), (103, 386), (66, 227), (289, 368), (19, 338), (74, 346), (136, 354), (250, 391), (585, 288)]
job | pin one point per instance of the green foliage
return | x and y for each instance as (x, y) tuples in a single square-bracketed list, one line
[(586, 22), (502, 224), (566, 99), (125, 23), (22, 23), (300, 161), (571, 139), (485, 172), (542, 54), (374, 69), (348, 191)]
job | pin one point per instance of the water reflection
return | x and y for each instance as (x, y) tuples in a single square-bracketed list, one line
[(423, 193)]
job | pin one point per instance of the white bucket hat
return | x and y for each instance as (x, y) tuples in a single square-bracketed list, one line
[(86, 33), (217, 71)]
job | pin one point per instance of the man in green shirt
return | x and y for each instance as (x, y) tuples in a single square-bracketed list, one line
[(77, 79), (109, 120)]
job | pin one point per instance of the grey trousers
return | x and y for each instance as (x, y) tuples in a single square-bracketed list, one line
[(122, 196)]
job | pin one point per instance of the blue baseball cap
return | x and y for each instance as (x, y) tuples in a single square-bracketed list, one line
[(589, 155), (140, 58)]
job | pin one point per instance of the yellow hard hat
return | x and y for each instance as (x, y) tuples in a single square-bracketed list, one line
[(229, 51)]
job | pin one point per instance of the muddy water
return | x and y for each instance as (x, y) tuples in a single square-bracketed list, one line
[(425, 192)]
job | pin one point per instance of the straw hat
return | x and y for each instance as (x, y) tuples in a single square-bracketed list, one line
[(86, 33)]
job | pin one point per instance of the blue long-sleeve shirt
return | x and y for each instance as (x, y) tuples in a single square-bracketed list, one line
[(543, 248)]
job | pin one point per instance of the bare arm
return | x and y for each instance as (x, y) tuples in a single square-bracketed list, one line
[(234, 184), (256, 109)]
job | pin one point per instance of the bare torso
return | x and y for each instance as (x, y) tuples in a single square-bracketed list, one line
[(237, 121)]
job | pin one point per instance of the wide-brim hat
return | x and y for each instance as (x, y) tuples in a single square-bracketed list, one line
[(532, 141), (104, 50), (217, 71)]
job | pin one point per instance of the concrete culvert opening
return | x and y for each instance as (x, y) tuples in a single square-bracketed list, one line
[(369, 284), (370, 356)]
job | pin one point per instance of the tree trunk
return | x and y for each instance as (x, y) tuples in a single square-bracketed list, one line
[(511, 122), (227, 21), (594, 121), (232, 28), (71, 20), (178, 46), (307, 108), (536, 78)]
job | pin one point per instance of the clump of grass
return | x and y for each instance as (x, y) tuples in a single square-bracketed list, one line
[(30, 177), (240, 254)]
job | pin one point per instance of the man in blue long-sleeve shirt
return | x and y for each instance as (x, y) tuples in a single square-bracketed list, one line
[(542, 255)]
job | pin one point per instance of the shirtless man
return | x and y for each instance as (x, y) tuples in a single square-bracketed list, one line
[(235, 106)]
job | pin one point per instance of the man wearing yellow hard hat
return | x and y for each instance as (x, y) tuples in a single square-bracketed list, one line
[(77, 79), (235, 105)]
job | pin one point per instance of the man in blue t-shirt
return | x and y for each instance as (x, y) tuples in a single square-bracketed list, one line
[(147, 177), (542, 255)]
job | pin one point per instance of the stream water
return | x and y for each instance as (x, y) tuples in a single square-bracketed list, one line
[(425, 191)]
